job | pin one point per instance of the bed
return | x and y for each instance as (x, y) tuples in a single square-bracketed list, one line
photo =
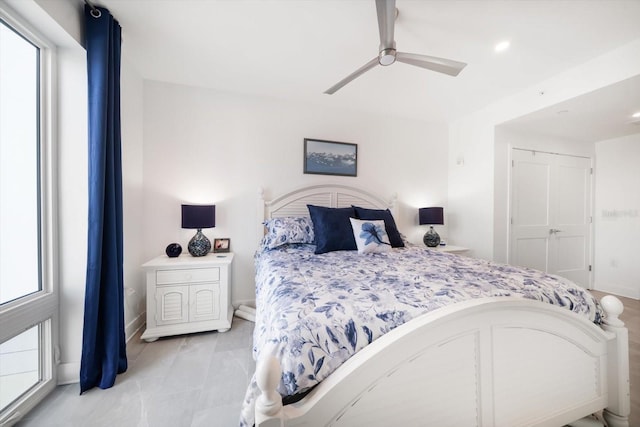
[(510, 347)]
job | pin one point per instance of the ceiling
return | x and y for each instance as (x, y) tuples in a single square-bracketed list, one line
[(596, 116), (296, 49)]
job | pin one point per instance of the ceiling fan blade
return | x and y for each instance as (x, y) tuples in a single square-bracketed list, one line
[(386, 20), (366, 67), (441, 65)]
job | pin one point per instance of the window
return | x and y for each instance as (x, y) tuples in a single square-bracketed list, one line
[(28, 299), (19, 169), (19, 367)]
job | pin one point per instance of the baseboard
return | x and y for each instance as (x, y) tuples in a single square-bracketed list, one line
[(69, 373), (135, 325), (622, 291), (249, 302)]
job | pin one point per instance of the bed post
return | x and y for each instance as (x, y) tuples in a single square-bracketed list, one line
[(617, 413), (269, 403), (260, 212)]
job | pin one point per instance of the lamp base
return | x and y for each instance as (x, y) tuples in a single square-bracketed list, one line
[(199, 245), (431, 238)]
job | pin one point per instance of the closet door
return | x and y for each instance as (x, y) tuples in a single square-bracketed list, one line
[(551, 214)]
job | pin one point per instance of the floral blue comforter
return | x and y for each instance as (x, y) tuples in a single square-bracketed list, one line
[(319, 310)]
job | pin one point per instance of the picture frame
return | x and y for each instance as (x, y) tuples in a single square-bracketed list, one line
[(221, 245), (323, 157)]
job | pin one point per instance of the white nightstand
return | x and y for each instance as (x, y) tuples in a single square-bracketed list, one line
[(452, 249), (188, 294)]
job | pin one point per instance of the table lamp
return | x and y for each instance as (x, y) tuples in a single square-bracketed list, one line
[(431, 216), (199, 217)]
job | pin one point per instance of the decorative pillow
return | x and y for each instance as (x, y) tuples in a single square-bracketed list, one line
[(332, 228), (389, 223), (287, 230), (370, 236)]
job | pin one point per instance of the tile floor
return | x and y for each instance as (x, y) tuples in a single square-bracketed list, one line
[(187, 380)]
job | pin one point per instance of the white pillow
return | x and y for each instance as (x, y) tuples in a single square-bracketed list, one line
[(370, 235)]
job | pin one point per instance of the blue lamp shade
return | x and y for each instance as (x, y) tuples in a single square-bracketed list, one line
[(431, 216), (199, 217)]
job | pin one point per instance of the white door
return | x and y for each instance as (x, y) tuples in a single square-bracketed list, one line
[(551, 214)]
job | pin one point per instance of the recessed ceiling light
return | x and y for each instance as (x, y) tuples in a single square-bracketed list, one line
[(502, 46), (636, 115)]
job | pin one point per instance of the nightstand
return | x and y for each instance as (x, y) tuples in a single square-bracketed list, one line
[(459, 250), (188, 294)]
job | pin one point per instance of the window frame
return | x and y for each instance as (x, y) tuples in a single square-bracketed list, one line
[(40, 307)]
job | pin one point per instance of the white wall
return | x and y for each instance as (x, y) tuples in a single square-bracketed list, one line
[(131, 90), (72, 184), (207, 146), (68, 15), (617, 216), (472, 138)]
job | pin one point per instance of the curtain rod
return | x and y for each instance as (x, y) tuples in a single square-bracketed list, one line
[(95, 12)]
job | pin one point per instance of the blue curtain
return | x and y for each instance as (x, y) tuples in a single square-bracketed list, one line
[(103, 339)]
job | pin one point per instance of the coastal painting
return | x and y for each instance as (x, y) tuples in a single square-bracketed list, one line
[(330, 157)]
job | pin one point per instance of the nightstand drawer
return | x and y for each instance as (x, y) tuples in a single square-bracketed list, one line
[(195, 275)]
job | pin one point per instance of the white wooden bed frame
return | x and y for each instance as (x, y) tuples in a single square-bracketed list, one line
[(491, 362)]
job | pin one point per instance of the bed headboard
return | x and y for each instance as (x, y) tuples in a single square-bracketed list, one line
[(294, 203)]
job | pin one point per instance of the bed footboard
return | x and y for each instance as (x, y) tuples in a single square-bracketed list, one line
[(491, 362)]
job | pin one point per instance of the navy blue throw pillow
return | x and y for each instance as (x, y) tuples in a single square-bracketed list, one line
[(389, 224), (332, 228)]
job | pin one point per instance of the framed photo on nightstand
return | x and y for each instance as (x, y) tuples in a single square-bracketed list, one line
[(221, 245)]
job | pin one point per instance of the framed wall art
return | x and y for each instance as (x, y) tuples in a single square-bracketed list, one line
[(330, 157)]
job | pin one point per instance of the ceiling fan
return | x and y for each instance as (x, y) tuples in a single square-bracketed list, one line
[(388, 54)]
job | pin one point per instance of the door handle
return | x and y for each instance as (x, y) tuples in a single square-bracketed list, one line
[(554, 231)]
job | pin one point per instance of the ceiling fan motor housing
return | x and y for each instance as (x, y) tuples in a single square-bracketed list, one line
[(387, 56)]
